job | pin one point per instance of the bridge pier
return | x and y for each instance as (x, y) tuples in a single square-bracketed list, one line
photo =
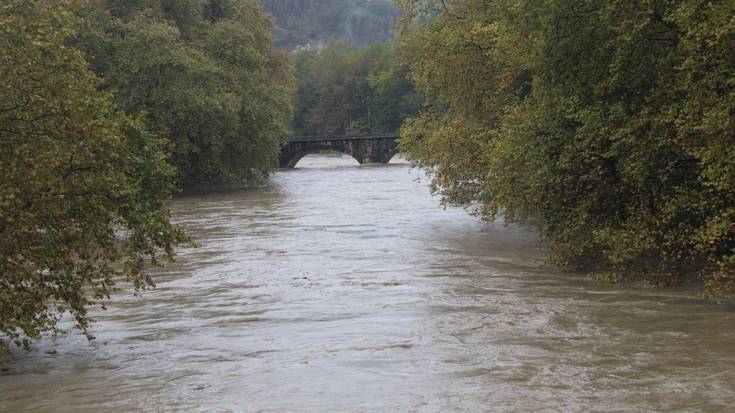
[(365, 149)]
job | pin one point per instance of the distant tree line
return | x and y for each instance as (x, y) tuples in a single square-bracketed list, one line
[(348, 90), (611, 120)]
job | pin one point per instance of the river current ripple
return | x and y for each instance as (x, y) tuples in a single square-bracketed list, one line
[(343, 288)]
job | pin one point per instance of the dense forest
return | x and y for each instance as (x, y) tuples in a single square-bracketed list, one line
[(344, 89), (304, 23), (202, 73), (612, 121)]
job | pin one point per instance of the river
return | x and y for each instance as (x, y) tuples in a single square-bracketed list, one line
[(343, 288)]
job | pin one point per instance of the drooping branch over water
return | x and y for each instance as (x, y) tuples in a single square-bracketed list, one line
[(108, 107), (614, 121)]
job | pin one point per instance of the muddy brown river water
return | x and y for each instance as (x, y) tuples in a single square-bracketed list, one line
[(339, 288)]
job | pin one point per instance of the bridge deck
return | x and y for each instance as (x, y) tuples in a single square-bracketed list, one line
[(394, 135)]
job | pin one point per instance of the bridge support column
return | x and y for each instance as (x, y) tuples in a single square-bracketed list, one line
[(376, 151)]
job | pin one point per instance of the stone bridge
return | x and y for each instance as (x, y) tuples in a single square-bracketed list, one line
[(365, 149)]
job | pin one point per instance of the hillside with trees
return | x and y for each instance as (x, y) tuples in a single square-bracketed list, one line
[(304, 23)]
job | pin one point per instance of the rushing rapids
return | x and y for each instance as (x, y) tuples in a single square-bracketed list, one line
[(346, 288)]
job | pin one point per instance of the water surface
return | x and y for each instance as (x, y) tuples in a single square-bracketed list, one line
[(345, 288)]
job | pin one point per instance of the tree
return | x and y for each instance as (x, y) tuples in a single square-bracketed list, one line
[(204, 74), (343, 89), (610, 120), (83, 188)]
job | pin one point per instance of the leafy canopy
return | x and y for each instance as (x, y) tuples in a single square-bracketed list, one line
[(614, 121), (343, 89), (203, 73), (83, 188)]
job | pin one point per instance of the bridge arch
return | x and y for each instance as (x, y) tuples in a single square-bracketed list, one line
[(297, 156), (396, 154)]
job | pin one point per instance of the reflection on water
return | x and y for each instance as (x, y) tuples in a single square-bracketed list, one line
[(346, 288)]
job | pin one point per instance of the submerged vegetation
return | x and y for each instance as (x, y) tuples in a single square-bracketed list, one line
[(614, 121)]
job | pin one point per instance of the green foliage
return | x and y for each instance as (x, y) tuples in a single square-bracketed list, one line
[(612, 120), (304, 22), (203, 73), (343, 89), (83, 188)]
